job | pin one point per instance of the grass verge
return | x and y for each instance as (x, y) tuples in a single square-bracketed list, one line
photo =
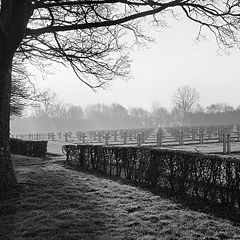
[(56, 202)]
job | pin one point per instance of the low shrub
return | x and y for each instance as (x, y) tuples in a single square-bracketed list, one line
[(28, 148), (209, 177)]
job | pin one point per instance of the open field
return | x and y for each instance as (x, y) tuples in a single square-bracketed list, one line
[(206, 140), (207, 148), (60, 203), (211, 148)]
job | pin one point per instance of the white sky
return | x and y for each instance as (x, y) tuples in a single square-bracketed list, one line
[(174, 60)]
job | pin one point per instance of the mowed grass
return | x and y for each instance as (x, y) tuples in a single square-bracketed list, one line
[(56, 202)]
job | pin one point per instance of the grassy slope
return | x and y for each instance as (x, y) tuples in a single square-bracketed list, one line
[(60, 203)]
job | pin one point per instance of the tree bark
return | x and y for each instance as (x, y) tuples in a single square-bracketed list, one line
[(7, 176), (14, 16)]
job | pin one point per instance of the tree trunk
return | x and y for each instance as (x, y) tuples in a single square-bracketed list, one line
[(7, 176), (14, 17)]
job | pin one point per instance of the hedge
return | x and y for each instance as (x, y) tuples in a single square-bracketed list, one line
[(209, 177), (28, 148)]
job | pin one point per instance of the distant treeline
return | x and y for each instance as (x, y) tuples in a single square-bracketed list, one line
[(216, 118), (62, 117)]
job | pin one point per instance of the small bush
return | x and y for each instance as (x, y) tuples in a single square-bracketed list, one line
[(209, 177), (28, 148)]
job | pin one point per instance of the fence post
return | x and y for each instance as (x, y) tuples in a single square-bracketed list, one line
[(121, 134), (181, 138), (209, 132), (224, 143), (228, 143), (135, 134), (159, 137), (125, 138), (187, 133), (193, 134), (220, 135), (60, 135), (143, 137), (90, 135), (238, 133), (201, 136), (130, 135), (115, 136), (94, 136), (99, 137), (139, 141), (83, 137), (78, 136), (65, 137), (106, 138)]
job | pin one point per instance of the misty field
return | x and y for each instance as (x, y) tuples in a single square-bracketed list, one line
[(56, 202), (206, 148), (211, 148)]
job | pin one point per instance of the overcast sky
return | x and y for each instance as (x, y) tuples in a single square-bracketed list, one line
[(174, 60)]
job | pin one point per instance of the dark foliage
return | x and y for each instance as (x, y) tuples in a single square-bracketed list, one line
[(28, 148), (207, 177)]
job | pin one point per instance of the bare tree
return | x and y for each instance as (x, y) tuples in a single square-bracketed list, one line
[(219, 107), (86, 35), (185, 98), (47, 104), (140, 116), (118, 111), (161, 116), (23, 91), (75, 113)]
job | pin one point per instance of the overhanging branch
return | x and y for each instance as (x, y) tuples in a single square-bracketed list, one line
[(49, 29)]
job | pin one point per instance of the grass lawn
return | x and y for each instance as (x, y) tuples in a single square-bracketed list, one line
[(60, 203)]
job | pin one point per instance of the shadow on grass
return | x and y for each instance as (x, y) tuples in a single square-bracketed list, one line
[(187, 202), (51, 205)]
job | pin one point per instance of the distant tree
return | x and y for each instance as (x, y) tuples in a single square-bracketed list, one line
[(98, 114), (93, 111), (176, 117), (140, 116), (119, 117), (161, 116), (184, 100), (47, 104), (199, 109), (59, 111), (219, 107), (75, 113), (118, 111)]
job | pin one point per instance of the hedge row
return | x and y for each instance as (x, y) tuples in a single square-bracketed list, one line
[(28, 148), (208, 177)]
